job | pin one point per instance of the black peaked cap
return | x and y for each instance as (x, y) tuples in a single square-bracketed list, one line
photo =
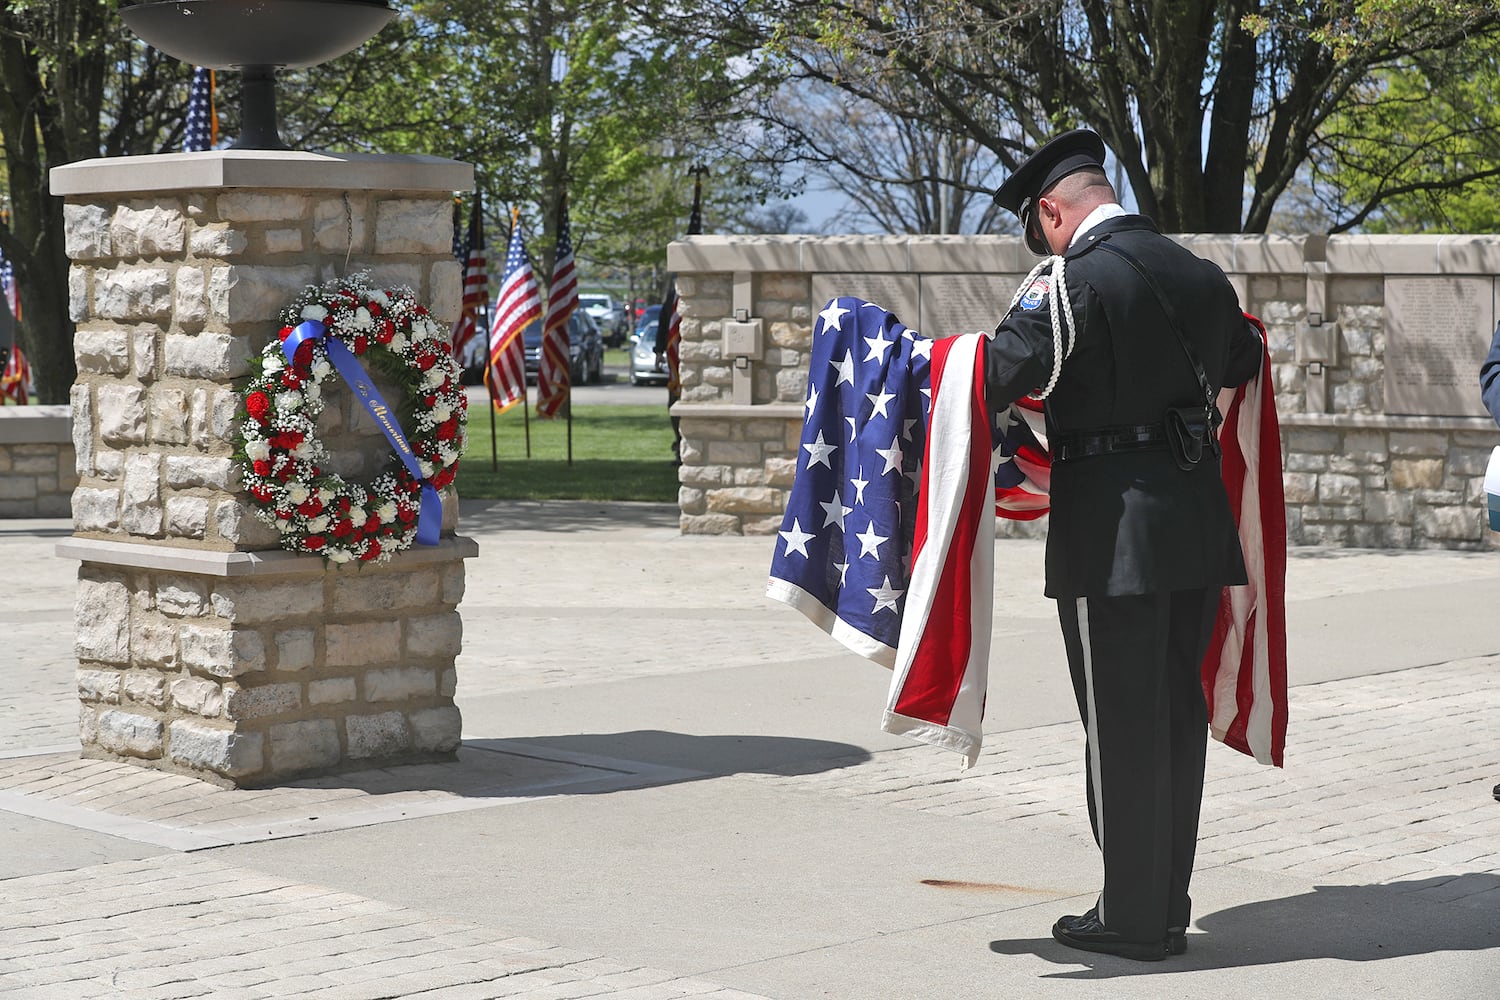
[(1059, 157)]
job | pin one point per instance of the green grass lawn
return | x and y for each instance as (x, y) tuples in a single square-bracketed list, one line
[(619, 453)]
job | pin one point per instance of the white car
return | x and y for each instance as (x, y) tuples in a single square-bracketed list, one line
[(606, 314)]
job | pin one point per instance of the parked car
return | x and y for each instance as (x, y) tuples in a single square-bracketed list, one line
[(644, 366), (608, 315), (585, 347)]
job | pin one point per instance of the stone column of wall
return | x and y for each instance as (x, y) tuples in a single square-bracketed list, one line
[(203, 647), (1355, 474), (37, 474)]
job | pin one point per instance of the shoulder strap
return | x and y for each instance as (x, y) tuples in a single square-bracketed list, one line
[(1166, 307)]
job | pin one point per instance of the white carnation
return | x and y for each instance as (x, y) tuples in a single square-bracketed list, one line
[(325, 494), (380, 298), (288, 402), (321, 369), (362, 320), (441, 413), (257, 451), (296, 493), (398, 342), (339, 555), (318, 523), (434, 378), (386, 512), (314, 312), (273, 362)]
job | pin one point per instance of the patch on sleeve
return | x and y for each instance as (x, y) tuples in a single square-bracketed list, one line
[(1036, 295)]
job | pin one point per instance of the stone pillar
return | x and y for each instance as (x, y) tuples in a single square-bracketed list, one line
[(204, 648)]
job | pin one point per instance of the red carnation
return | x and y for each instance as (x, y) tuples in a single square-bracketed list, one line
[(374, 308), (302, 357), (343, 527), (426, 361), (372, 523), (445, 477), (258, 405), (314, 542), (310, 507), (262, 467), (447, 430), (406, 515), (386, 333), (291, 380), (285, 515), (361, 343), (372, 552), (430, 401), (285, 332)]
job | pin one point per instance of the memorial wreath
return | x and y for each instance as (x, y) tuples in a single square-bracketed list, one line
[(326, 333)]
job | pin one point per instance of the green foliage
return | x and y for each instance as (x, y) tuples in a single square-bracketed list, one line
[(546, 98), (1416, 150), (619, 453)]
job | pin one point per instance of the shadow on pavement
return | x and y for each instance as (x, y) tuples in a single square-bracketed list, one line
[(710, 756), (1351, 923), (475, 516)]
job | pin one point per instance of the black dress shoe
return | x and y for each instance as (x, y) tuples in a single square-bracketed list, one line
[(1176, 940), (1497, 793), (1086, 933)]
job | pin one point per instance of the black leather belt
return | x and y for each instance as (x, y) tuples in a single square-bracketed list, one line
[(1083, 444)]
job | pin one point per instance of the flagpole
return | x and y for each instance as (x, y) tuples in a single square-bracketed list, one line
[(570, 426), (526, 413), (494, 435)]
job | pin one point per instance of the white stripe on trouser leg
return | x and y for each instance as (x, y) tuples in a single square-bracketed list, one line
[(1091, 726)]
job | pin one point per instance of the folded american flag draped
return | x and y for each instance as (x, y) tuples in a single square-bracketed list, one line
[(888, 539)]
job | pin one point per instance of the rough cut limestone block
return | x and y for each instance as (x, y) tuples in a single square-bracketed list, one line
[(436, 730), (220, 750), (311, 745), (105, 352), (198, 696), (101, 616), (384, 735), (133, 293), (127, 733), (148, 230)]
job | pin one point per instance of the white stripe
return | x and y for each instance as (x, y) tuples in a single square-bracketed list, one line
[(1092, 727)]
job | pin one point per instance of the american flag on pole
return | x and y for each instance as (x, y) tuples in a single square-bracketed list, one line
[(473, 315), (9, 288), (894, 557), (16, 377), (519, 303), (202, 118), (553, 369)]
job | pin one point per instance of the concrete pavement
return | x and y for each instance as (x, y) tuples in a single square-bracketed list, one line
[(671, 786)]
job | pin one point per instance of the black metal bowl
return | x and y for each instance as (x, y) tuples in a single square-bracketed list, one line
[(228, 34)]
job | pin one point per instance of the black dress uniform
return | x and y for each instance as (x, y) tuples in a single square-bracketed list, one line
[(1138, 547)]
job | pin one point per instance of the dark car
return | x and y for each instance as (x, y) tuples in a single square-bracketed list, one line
[(585, 349)]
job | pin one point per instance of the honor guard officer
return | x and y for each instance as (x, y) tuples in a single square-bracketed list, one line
[(1128, 337)]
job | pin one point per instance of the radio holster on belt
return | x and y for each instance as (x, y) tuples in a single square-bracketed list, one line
[(1192, 431)]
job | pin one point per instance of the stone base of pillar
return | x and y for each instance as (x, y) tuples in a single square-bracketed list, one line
[(248, 668)]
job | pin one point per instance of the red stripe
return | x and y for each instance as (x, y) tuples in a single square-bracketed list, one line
[(944, 649)]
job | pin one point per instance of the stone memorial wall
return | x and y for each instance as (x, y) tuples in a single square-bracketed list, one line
[(1375, 344)]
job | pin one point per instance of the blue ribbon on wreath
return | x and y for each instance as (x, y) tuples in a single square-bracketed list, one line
[(430, 512)]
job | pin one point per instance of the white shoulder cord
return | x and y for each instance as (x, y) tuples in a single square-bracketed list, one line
[(1057, 295)]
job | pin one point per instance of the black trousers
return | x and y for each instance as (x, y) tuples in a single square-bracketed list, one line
[(1135, 665)]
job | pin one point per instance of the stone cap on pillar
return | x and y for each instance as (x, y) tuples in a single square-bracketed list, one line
[(262, 168)]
